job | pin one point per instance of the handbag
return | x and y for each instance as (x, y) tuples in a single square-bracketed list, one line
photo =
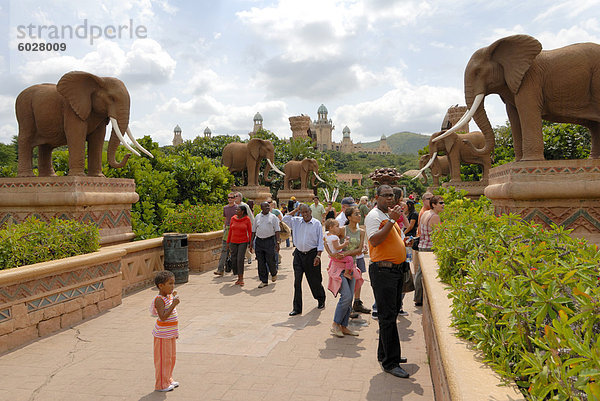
[(284, 231), (409, 283), (228, 264), (415, 244)]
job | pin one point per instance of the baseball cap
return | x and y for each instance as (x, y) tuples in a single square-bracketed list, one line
[(349, 201)]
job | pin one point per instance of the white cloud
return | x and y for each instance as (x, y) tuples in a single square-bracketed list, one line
[(568, 9), (7, 131), (144, 62)]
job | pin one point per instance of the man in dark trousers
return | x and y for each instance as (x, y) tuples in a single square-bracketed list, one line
[(265, 231), (386, 271), (307, 234)]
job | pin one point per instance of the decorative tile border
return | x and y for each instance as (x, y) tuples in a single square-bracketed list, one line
[(103, 219), (60, 183), (63, 296), (53, 283), (5, 314)]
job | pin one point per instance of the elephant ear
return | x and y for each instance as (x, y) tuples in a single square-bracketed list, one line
[(254, 152), (515, 54), (449, 141), (77, 87)]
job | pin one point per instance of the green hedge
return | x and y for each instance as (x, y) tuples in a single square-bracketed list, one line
[(188, 219), (528, 298), (34, 241)]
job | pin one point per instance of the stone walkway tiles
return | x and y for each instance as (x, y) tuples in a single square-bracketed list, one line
[(235, 344)]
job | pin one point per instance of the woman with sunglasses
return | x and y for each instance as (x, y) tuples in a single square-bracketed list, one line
[(428, 222)]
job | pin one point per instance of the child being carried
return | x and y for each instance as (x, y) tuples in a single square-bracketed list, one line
[(336, 244)]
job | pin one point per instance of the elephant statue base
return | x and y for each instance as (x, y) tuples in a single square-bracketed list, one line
[(302, 195), (564, 192), (257, 193), (474, 189), (103, 201)]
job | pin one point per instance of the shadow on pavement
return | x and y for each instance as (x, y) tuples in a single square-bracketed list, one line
[(154, 396), (384, 386), (347, 347)]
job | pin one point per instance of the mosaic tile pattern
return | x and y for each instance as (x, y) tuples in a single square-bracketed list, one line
[(54, 283), (63, 296), (103, 219), (569, 217), (4, 314)]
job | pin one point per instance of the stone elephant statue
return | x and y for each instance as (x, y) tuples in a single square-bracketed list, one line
[(460, 149), (299, 170), (241, 156), (439, 168), (561, 85), (74, 111)]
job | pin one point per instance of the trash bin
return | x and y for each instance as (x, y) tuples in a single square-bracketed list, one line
[(176, 256)]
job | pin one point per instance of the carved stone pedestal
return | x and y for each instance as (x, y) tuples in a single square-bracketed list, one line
[(565, 192), (103, 201), (256, 193), (474, 189), (302, 195)]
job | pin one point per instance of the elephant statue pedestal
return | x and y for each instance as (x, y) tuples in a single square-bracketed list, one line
[(257, 193), (474, 189), (564, 192), (302, 195), (103, 201)]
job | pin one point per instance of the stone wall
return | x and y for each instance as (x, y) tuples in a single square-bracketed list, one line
[(40, 299), (43, 298)]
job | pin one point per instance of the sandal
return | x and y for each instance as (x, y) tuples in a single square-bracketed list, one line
[(240, 283)]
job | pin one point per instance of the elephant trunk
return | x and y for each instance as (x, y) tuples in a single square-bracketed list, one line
[(120, 124), (483, 122)]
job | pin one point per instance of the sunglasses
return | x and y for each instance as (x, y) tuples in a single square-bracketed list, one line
[(231, 197), (426, 199), (387, 195)]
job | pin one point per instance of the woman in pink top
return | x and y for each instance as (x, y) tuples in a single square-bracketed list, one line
[(238, 238)]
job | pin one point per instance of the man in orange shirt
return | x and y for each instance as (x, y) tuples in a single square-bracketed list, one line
[(386, 271)]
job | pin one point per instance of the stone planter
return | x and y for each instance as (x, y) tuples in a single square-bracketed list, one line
[(204, 250), (457, 371), (39, 299)]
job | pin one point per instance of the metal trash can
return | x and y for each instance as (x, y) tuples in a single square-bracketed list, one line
[(176, 256)]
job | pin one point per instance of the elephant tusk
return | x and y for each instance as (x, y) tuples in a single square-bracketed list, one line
[(318, 178), (429, 163), (140, 147), (115, 127), (275, 168), (465, 118)]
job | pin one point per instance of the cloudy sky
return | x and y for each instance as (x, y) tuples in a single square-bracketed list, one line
[(379, 66)]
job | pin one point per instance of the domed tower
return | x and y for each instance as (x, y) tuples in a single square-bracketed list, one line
[(321, 129), (207, 132), (383, 147), (177, 139), (258, 123), (347, 146)]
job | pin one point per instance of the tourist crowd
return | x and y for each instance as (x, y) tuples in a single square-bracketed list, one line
[(388, 229)]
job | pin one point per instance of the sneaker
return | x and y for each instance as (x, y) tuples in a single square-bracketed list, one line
[(170, 388), (218, 273), (262, 285), (249, 261), (374, 315), (175, 384), (353, 315), (402, 313)]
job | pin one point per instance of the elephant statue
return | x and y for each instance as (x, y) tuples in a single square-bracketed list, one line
[(439, 168), (460, 149), (561, 85), (74, 111), (299, 169), (240, 156)]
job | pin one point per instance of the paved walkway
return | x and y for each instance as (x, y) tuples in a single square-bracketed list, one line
[(235, 344)]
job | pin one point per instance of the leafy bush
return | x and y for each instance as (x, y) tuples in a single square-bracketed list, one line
[(186, 218), (528, 298), (35, 241)]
